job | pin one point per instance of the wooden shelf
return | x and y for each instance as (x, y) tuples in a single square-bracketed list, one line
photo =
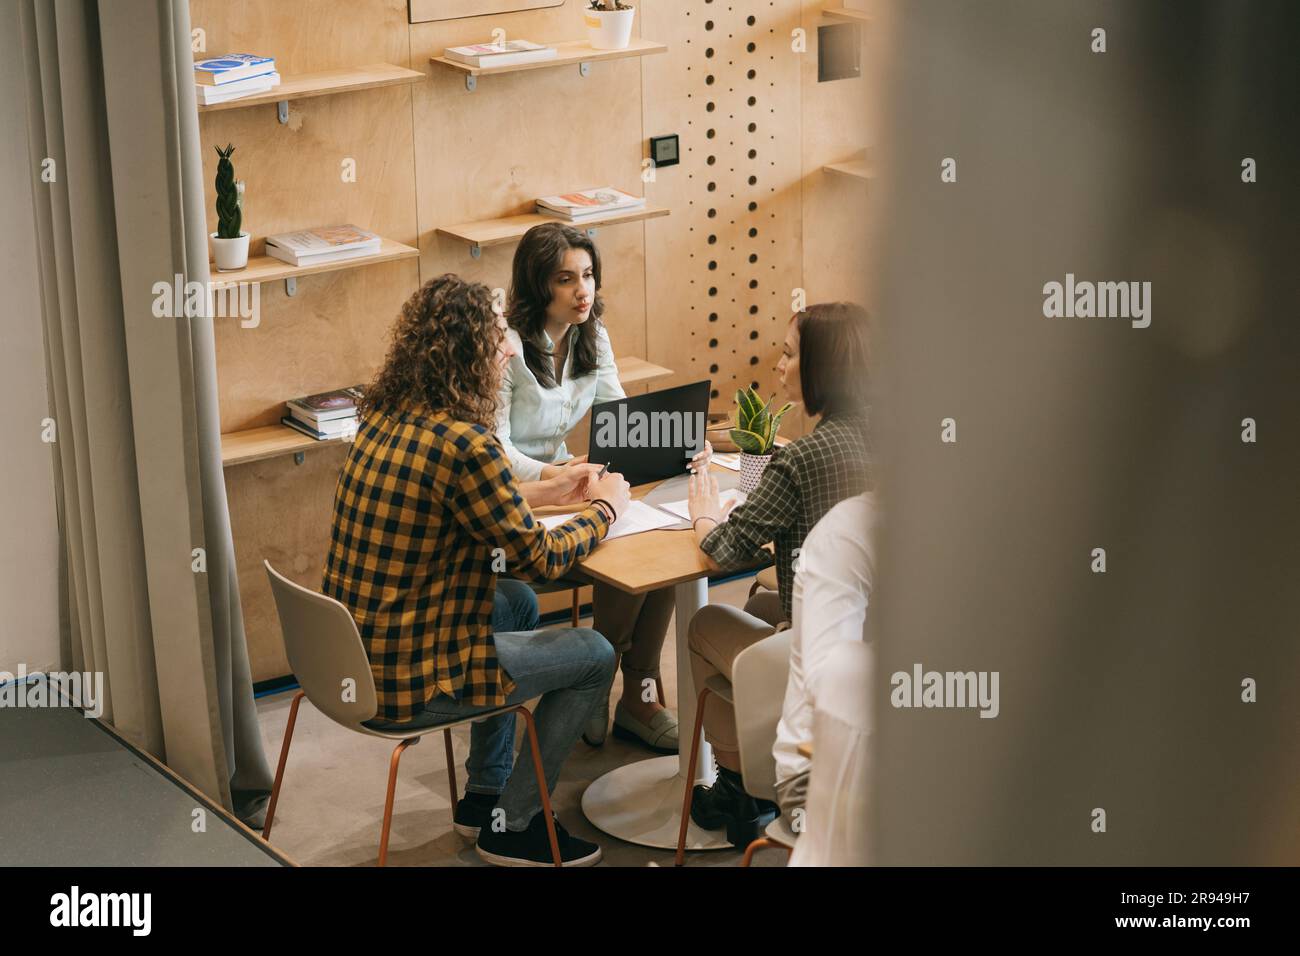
[(496, 232), (304, 85), (270, 269), (269, 441), (854, 169), (632, 371), (275, 441), (847, 13), (576, 52)]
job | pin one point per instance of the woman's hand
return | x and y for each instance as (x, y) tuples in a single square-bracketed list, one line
[(701, 461), (704, 504), (572, 483), (554, 471)]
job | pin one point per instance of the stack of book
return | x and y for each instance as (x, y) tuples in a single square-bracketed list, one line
[(506, 53), (312, 247), (233, 77), (589, 202), (325, 415)]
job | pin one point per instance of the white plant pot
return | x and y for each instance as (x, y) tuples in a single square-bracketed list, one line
[(229, 254), (751, 470), (609, 29)]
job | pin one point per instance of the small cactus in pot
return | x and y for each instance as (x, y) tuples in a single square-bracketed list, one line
[(229, 242)]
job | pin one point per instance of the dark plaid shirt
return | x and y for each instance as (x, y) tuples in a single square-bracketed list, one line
[(421, 504), (803, 481)]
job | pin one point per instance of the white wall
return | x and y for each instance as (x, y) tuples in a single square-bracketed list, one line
[(29, 540)]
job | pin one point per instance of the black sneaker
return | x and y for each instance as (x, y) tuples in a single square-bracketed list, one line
[(473, 812), (727, 805), (532, 847)]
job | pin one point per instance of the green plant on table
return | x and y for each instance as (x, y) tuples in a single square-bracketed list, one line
[(756, 425)]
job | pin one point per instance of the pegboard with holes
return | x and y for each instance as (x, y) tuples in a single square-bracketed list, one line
[(720, 274)]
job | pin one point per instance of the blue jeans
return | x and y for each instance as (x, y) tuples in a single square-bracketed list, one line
[(570, 668)]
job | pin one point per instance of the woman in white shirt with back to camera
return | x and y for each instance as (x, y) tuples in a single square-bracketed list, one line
[(832, 588), (564, 365)]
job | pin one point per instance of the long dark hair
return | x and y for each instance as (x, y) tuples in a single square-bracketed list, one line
[(537, 259), (834, 353), (443, 354)]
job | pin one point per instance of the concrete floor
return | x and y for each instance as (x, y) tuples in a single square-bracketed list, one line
[(332, 802)]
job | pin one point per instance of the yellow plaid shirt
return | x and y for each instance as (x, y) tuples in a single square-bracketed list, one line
[(422, 506)]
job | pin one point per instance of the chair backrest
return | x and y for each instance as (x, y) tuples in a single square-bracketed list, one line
[(325, 651), (758, 678)]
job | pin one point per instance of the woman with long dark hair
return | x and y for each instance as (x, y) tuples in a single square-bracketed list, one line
[(564, 365)]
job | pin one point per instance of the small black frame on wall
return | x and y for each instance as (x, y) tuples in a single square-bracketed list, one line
[(663, 150)]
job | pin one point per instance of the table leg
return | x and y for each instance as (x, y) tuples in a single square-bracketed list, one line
[(642, 802)]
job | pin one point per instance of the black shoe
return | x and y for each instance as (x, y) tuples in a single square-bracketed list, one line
[(532, 847), (726, 804), (473, 812)]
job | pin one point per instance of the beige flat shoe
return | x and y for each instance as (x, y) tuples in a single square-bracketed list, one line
[(593, 734), (660, 735)]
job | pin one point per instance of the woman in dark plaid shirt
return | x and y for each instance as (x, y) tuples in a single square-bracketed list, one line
[(824, 363)]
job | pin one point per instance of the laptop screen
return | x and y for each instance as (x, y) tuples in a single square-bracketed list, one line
[(650, 437)]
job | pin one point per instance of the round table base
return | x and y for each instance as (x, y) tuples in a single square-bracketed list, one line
[(642, 803)]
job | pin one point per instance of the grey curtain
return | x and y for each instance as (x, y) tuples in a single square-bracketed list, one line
[(110, 103)]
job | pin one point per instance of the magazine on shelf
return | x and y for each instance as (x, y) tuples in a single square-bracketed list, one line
[(209, 95), (346, 428), (323, 244), (506, 53), (589, 202), (230, 68), (325, 406)]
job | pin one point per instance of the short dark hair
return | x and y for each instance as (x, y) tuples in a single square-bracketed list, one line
[(833, 358), (538, 256)]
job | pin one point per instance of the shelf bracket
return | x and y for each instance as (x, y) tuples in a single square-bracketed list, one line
[(282, 111), (291, 286), (471, 82), (475, 251), (584, 68), (299, 457)]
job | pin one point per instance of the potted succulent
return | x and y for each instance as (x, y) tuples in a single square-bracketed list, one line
[(609, 24), (229, 242), (755, 434)]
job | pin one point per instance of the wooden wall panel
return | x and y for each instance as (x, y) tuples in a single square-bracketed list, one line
[(838, 125), (730, 89)]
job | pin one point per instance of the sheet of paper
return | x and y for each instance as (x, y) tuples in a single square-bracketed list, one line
[(638, 517), (729, 459), (682, 508)]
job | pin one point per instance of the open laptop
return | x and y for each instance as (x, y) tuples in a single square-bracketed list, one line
[(650, 437)]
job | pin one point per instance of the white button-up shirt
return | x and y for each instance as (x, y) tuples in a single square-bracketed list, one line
[(533, 421)]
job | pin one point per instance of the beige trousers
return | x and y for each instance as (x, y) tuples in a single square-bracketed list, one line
[(719, 632)]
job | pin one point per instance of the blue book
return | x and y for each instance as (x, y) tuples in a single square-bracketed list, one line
[(217, 70)]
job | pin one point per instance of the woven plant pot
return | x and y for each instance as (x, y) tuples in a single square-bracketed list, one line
[(751, 470)]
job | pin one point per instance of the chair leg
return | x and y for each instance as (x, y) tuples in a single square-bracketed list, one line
[(542, 788), (279, 770), (577, 606), (451, 769), (762, 843), (690, 778), (388, 802)]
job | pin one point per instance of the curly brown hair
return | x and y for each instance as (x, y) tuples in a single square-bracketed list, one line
[(444, 353)]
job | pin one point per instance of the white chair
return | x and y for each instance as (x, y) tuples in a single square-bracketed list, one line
[(325, 651), (756, 693)]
